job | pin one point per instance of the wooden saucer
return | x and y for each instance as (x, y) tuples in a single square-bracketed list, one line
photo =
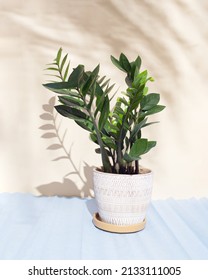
[(115, 228)]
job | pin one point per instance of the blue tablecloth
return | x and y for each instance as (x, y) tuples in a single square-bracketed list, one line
[(61, 228)]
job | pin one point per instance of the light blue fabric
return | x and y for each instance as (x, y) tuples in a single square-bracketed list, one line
[(61, 228)]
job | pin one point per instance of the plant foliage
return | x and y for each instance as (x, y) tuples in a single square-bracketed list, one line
[(84, 98)]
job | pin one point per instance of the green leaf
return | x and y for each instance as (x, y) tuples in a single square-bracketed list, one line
[(57, 85), (91, 80), (58, 57), (123, 100), (138, 148), (154, 110), (138, 62), (140, 79), (147, 124), (71, 112), (104, 114), (52, 68), (76, 76), (127, 158), (63, 62), (93, 137), (150, 145), (66, 72), (135, 67), (136, 129), (87, 125), (61, 88), (71, 101), (99, 104), (125, 64), (117, 63), (149, 101), (108, 141)]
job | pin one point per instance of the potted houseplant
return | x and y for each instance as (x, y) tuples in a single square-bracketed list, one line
[(122, 187)]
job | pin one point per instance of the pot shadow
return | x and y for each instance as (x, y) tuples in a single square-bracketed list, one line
[(91, 206), (67, 187)]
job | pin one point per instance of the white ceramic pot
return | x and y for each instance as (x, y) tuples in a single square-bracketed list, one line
[(122, 199)]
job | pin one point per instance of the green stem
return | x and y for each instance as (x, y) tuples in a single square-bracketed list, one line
[(104, 156), (136, 167), (119, 144)]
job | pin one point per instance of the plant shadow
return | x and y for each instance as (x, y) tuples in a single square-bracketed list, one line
[(67, 187)]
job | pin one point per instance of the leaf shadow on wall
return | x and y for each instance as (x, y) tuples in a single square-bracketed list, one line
[(67, 187)]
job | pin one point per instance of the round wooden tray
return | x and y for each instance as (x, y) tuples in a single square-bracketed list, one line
[(115, 228)]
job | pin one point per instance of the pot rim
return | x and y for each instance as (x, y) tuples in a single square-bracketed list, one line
[(95, 170)]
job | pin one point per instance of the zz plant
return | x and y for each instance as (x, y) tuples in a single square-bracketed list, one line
[(84, 98)]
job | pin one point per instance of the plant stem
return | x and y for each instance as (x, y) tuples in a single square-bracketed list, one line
[(104, 155), (105, 160), (136, 167), (119, 144)]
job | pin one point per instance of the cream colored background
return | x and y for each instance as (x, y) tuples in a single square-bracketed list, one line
[(171, 36)]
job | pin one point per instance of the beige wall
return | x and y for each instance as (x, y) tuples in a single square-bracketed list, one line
[(172, 39)]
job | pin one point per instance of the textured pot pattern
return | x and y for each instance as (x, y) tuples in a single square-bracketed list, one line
[(122, 199)]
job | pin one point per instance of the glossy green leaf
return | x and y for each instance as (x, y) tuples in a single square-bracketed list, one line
[(71, 112), (128, 158), (57, 85), (93, 137), (104, 114), (84, 98), (86, 124), (52, 69), (117, 63), (140, 79), (150, 145), (154, 110), (63, 62), (125, 64), (71, 101), (76, 77), (58, 57), (136, 129), (90, 81), (66, 72), (149, 101), (138, 148), (109, 142)]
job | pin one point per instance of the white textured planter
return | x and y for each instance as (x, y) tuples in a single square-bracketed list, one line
[(122, 199)]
